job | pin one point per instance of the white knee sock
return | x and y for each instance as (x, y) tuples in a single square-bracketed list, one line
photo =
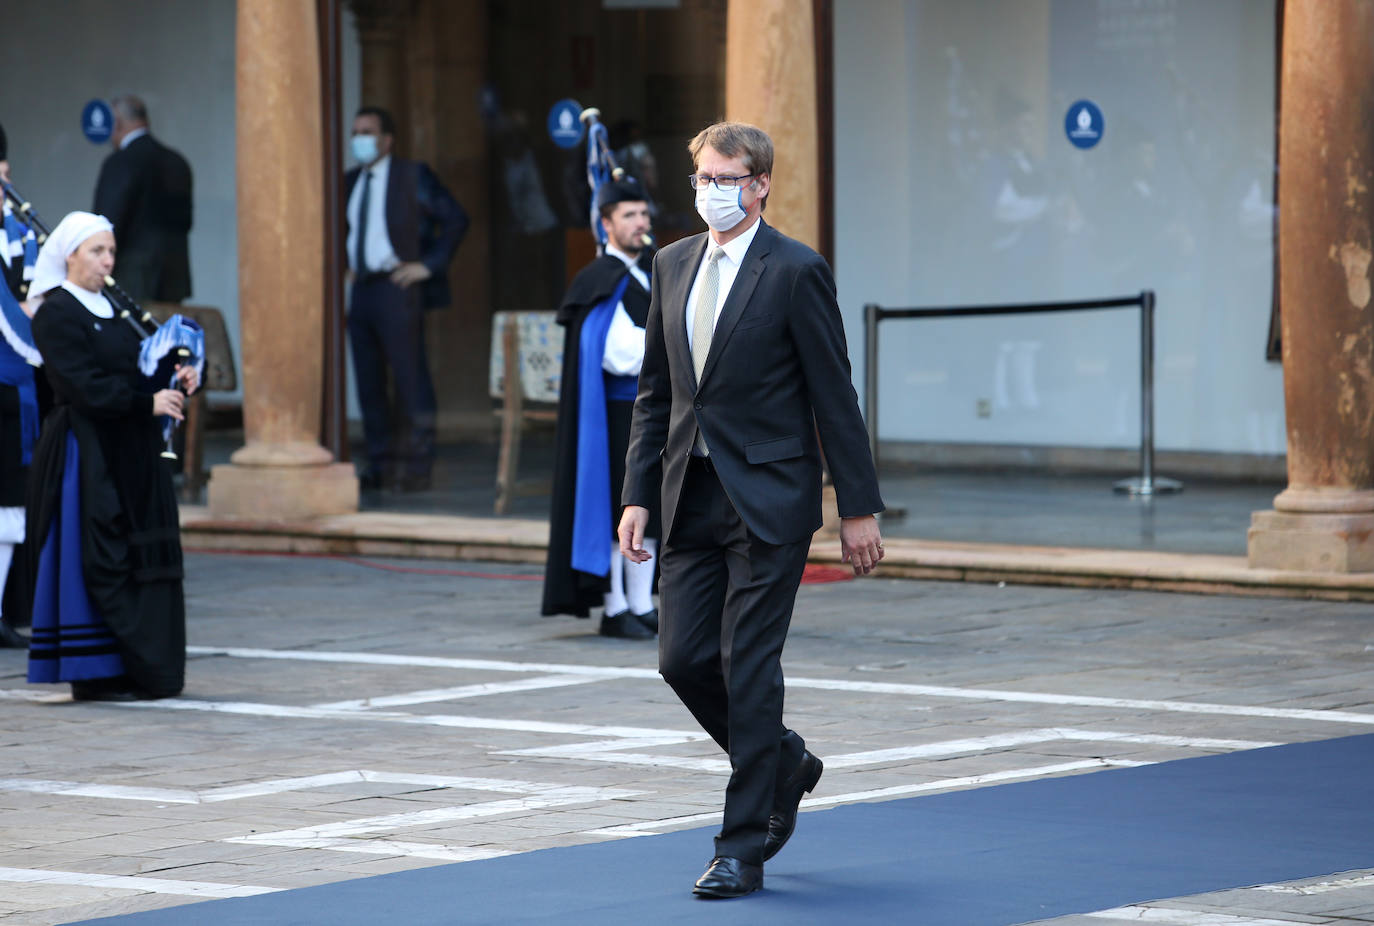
[(615, 598), (6, 554), (639, 581)]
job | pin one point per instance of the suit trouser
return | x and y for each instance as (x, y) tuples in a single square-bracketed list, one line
[(386, 327), (726, 602)]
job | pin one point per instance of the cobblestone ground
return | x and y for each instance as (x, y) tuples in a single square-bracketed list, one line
[(346, 718)]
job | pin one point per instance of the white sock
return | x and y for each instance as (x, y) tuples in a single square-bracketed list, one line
[(615, 598), (639, 581), (6, 554)]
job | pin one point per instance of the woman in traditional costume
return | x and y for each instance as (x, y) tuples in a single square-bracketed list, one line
[(108, 612)]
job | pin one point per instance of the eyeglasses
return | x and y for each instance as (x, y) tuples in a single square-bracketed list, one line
[(702, 181)]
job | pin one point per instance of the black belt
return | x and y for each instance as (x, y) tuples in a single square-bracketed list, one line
[(702, 463), (372, 276)]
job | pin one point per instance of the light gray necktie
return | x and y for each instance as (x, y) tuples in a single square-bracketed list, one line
[(704, 324)]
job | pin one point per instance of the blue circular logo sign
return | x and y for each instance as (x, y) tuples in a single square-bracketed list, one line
[(97, 122), (565, 124), (1083, 124)]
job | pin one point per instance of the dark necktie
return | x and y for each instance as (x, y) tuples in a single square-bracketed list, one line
[(364, 206)]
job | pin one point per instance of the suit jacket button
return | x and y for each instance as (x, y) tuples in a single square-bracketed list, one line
[(698, 405)]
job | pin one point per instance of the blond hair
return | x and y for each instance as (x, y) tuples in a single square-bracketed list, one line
[(736, 140)]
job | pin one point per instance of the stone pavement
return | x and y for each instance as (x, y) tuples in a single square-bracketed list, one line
[(346, 718)]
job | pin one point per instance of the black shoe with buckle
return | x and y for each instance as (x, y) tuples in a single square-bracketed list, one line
[(104, 689), (624, 625)]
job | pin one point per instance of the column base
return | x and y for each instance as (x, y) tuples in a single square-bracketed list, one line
[(1310, 542), (282, 493)]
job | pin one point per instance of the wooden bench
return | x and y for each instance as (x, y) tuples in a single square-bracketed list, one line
[(525, 374), (219, 377)]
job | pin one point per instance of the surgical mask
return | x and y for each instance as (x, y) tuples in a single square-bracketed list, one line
[(363, 148), (721, 209)]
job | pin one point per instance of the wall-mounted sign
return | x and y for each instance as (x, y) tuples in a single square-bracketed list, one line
[(97, 122), (565, 128), (1083, 124)]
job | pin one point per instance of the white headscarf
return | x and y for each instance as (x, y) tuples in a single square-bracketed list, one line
[(75, 227)]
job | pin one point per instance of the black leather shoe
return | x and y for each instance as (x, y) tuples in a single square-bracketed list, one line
[(624, 625), (786, 800), (649, 619), (95, 691), (729, 877), (11, 638)]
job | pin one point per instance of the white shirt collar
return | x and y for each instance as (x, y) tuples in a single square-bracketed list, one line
[(95, 303), (736, 248), (380, 167), (614, 251), (132, 137)]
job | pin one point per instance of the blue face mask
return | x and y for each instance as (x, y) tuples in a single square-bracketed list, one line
[(363, 148)]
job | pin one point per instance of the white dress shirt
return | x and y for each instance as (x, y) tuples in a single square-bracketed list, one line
[(624, 355), (380, 255), (729, 269)]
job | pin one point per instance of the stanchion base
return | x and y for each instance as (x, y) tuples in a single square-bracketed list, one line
[(1147, 487)]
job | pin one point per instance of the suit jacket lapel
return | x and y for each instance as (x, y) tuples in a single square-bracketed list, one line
[(675, 300), (748, 277)]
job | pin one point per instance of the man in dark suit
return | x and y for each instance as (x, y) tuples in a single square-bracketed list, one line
[(745, 360), (145, 190), (403, 228)]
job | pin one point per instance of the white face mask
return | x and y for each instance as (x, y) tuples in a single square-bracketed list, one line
[(363, 148), (721, 209)]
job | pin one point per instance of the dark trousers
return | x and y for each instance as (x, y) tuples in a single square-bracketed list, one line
[(725, 605), (386, 329)]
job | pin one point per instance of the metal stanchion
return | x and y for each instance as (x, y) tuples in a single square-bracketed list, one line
[(1147, 484)]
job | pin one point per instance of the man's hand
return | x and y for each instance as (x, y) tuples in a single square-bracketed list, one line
[(633, 523), (861, 543), (409, 273)]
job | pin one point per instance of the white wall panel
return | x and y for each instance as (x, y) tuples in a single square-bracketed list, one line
[(956, 184)]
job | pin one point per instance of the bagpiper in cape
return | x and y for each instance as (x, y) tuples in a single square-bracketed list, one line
[(604, 314), (19, 401)]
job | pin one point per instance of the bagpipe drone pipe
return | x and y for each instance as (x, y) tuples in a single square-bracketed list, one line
[(602, 168), (177, 342)]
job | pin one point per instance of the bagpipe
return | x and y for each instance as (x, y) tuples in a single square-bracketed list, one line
[(177, 342), (602, 168)]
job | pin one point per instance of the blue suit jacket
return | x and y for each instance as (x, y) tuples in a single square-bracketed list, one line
[(423, 220)]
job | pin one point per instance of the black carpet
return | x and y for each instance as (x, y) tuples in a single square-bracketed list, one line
[(987, 857)]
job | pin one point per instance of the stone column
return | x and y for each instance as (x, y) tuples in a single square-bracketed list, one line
[(770, 81), (1324, 520), (282, 472)]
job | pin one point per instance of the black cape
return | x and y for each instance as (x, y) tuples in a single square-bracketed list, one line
[(131, 542), (566, 590)]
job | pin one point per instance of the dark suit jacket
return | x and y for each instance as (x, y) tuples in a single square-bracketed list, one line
[(145, 190), (423, 220), (778, 363)]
